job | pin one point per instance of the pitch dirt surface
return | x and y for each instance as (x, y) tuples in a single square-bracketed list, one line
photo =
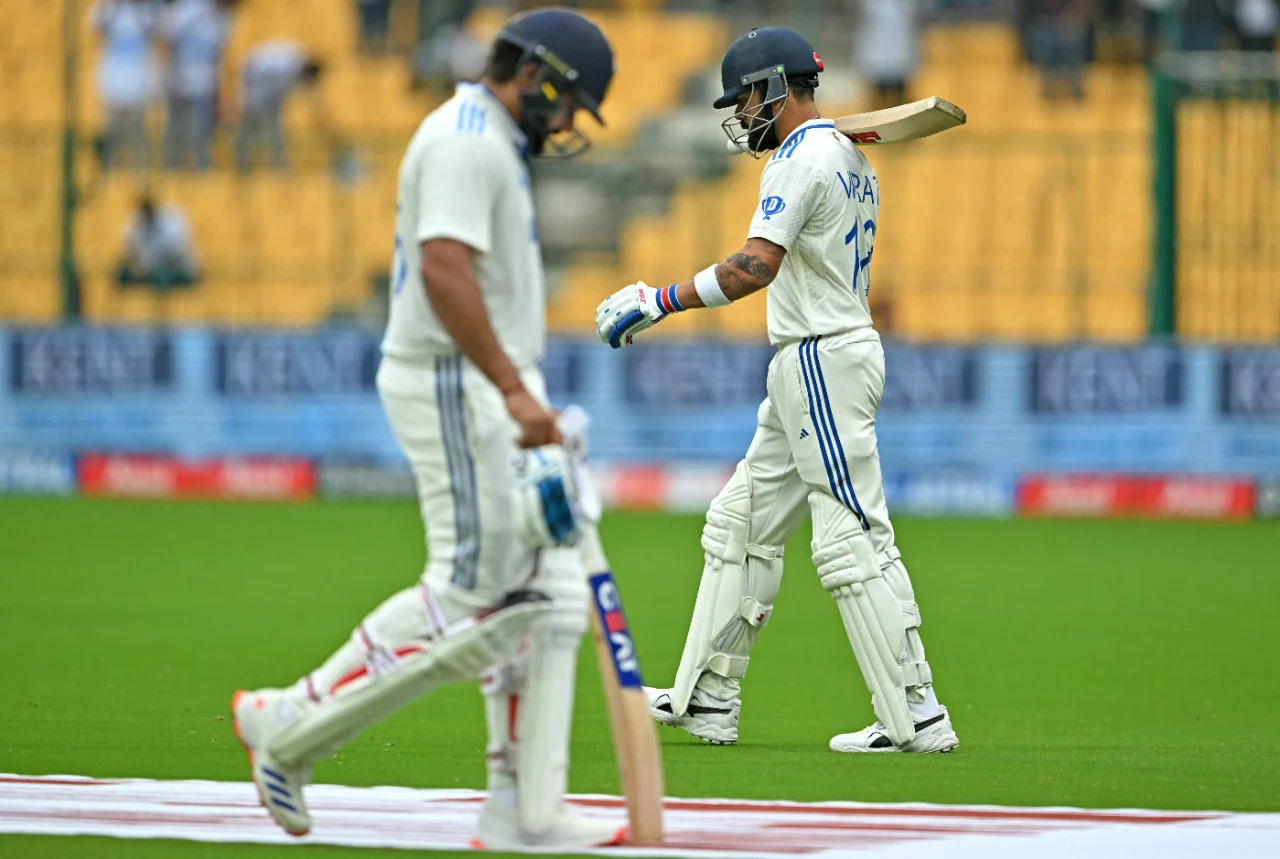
[(444, 820)]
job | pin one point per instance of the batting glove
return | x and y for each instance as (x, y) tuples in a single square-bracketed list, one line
[(631, 310)]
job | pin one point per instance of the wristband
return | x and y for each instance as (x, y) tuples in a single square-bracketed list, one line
[(709, 288), (667, 300)]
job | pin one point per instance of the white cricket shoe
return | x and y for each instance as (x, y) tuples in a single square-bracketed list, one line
[(932, 735), (499, 829), (257, 716), (712, 719)]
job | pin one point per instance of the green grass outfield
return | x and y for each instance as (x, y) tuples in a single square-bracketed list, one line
[(1085, 663)]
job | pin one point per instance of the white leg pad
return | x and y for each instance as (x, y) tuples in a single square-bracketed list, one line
[(462, 652), (503, 685), (740, 581), (916, 673), (545, 712), (872, 614)]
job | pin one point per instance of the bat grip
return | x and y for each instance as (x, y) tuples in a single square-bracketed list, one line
[(592, 550)]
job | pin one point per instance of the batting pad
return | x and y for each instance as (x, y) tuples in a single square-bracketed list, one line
[(871, 613), (466, 649), (740, 581)]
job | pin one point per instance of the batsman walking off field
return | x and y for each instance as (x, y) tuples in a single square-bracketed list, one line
[(461, 387), (814, 449)]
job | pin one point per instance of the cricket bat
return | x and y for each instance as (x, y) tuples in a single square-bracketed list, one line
[(635, 740), (904, 122)]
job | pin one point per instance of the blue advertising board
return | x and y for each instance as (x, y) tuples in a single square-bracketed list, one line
[(1078, 380), (27, 472), (279, 364), (88, 360), (1250, 383), (967, 417)]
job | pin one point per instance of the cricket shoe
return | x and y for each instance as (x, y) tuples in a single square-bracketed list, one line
[(257, 716), (934, 734), (712, 719), (499, 829)]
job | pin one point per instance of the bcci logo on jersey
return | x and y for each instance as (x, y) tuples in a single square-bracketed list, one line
[(614, 625), (772, 206)]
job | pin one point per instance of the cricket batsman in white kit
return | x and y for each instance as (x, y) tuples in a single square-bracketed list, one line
[(814, 450), (463, 393)]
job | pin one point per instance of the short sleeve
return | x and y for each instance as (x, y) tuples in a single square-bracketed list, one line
[(456, 192), (786, 201)]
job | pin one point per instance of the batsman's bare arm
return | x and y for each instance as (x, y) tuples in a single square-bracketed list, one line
[(749, 270), (454, 294)]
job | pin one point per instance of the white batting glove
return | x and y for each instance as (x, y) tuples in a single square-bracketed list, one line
[(631, 310)]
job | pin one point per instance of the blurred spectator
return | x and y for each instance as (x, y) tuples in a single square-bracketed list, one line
[(195, 32), (446, 53), (1257, 22), (889, 48), (1201, 25), (375, 21), (1153, 15), (272, 71), (158, 250), (1059, 31), (962, 5), (125, 76)]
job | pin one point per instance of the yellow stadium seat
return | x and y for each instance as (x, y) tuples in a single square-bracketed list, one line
[(976, 240), (32, 27), (30, 299), (1020, 226), (1114, 310), (103, 219), (1229, 216)]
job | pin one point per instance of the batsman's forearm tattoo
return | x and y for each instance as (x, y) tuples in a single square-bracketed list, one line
[(730, 273)]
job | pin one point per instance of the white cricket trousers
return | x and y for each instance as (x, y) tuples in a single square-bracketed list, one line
[(816, 431), (452, 424)]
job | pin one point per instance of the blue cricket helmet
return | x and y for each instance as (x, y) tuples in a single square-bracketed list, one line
[(570, 45), (762, 54)]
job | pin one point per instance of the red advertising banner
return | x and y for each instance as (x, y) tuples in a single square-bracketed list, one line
[(633, 487), (149, 476), (1194, 497)]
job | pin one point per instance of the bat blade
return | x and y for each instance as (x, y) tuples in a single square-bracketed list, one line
[(912, 121), (635, 739)]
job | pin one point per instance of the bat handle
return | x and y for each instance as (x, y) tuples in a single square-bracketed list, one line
[(592, 550)]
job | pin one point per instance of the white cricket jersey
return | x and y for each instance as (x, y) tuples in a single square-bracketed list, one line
[(464, 177), (820, 200)]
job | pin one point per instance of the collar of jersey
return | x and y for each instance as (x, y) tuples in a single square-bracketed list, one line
[(817, 122), (508, 123)]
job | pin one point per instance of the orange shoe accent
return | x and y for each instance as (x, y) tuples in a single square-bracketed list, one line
[(235, 722), (477, 844), (253, 767), (235, 726)]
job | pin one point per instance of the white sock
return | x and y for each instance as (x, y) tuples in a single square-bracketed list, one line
[(721, 689), (926, 709)]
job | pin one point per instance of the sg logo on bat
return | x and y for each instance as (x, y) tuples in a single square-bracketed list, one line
[(614, 623)]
